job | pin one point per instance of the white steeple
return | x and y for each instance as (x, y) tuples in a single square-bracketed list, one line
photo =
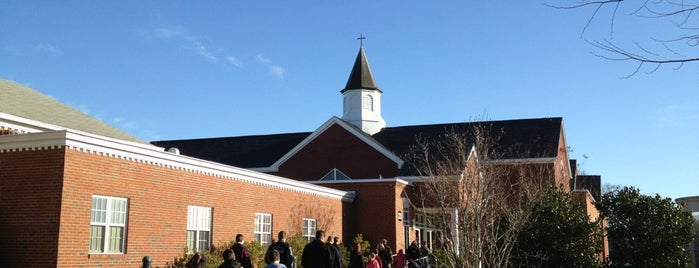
[(362, 99)]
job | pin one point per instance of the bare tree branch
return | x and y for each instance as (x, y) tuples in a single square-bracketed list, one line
[(672, 51)]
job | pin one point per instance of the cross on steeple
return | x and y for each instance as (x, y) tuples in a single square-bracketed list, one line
[(361, 40)]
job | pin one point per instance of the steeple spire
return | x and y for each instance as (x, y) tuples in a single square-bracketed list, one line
[(361, 76)]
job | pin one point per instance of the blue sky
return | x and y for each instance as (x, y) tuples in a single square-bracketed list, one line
[(181, 69)]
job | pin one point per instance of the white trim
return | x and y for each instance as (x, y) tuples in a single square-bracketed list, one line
[(146, 153), (588, 193), (25, 124), (396, 180), (565, 148), (334, 120)]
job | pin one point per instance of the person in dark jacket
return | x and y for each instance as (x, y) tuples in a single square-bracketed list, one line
[(413, 252), (229, 260), (241, 252), (317, 254), (385, 253), (357, 257), (335, 246), (286, 256)]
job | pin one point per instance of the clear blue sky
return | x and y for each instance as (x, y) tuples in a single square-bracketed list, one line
[(193, 69)]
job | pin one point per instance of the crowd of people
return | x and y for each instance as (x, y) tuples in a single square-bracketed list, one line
[(319, 254)]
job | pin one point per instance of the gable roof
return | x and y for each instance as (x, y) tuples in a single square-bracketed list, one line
[(534, 138), (351, 129), (24, 102)]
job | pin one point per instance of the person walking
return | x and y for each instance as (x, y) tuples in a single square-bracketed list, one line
[(357, 257), (241, 252), (413, 252), (385, 254), (285, 253), (198, 260), (317, 254), (229, 260), (335, 246), (400, 260), (373, 261), (275, 260)]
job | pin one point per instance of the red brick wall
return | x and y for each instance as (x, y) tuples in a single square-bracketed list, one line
[(337, 148), (374, 211), (30, 194), (157, 217)]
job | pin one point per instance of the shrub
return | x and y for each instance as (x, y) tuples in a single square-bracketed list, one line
[(213, 256)]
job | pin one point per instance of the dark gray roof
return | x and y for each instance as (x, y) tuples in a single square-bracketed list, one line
[(592, 183), (242, 151), (522, 138), (530, 138), (361, 76), (22, 101)]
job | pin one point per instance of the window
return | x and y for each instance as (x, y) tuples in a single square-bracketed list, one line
[(335, 175), (108, 224), (309, 229), (263, 228), (368, 103), (406, 218), (198, 228)]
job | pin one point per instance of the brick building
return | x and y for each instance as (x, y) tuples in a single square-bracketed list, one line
[(358, 152), (71, 198), (90, 195)]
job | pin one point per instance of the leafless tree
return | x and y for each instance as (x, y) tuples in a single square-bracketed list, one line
[(676, 17), (476, 197)]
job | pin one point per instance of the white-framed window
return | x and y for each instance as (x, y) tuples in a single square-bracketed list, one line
[(309, 229), (198, 228), (108, 224), (263, 228)]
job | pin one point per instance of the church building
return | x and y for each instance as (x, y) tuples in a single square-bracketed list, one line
[(76, 192), (359, 153)]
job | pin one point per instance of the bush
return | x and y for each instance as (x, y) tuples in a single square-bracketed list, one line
[(257, 253), (213, 256), (297, 243), (442, 258)]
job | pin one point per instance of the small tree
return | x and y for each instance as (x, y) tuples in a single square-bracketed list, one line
[(558, 234), (646, 231), (366, 246)]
